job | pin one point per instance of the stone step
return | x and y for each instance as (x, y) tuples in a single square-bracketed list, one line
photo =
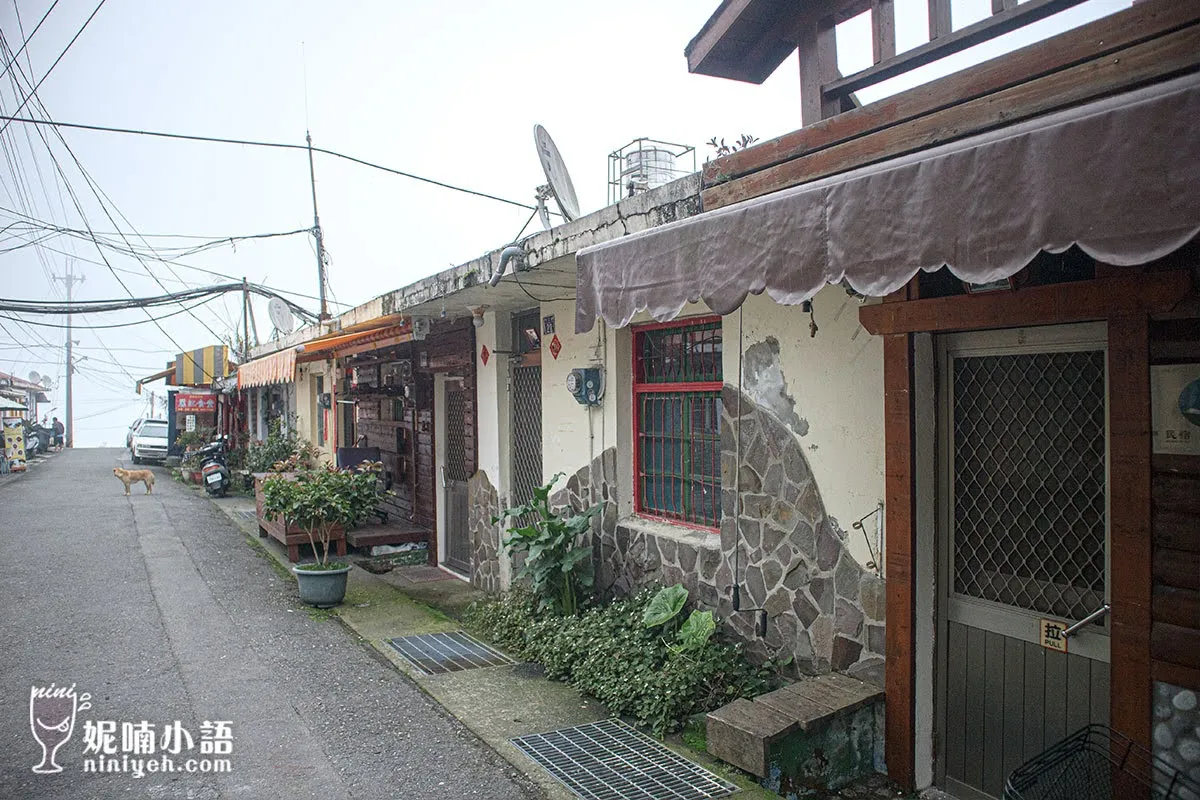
[(760, 735)]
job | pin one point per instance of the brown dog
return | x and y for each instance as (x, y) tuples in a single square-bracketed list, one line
[(128, 476)]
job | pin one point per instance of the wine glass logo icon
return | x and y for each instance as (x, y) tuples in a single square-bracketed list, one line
[(52, 711)]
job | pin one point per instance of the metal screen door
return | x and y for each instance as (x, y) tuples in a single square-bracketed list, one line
[(454, 482), (526, 399), (1024, 530)]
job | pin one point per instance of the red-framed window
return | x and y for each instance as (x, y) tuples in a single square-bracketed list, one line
[(677, 421)]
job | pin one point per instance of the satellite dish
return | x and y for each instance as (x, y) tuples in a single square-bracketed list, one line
[(35, 376), (281, 315), (559, 181)]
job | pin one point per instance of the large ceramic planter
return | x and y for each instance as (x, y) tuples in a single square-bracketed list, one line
[(322, 588)]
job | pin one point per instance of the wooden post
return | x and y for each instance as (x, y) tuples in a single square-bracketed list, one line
[(900, 526), (1130, 585), (818, 65), (883, 29), (939, 19)]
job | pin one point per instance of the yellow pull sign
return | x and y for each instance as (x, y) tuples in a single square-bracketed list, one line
[(1051, 635)]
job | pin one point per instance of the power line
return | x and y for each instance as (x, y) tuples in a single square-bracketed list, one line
[(27, 38), (98, 306), (252, 143), (155, 320), (79, 33), (100, 241)]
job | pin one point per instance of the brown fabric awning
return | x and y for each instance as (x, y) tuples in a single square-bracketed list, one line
[(1119, 177)]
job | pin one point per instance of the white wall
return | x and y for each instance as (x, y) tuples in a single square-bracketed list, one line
[(306, 404), (836, 381), (572, 433)]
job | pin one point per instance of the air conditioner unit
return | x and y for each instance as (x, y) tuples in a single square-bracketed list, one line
[(420, 328)]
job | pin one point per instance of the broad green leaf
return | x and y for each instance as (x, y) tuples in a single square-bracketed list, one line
[(697, 630), (665, 606)]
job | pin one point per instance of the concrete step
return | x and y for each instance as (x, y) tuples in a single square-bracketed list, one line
[(779, 733)]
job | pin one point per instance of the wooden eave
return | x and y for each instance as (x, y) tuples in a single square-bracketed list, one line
[(742, 40)]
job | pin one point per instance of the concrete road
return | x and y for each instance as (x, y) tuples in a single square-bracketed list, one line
[(159, 609)]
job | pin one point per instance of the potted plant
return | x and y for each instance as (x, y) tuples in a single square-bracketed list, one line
[(321, 501)]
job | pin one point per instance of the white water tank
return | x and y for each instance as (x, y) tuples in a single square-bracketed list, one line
[(648, 168)]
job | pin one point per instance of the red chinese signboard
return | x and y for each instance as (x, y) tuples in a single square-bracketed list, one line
[(555, 347), (484, 355), (195, 403)]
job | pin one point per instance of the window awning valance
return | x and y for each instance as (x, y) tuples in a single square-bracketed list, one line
[(278, 367), (1119, 177)]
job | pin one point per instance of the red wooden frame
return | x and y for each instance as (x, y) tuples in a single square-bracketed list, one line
[(640, 389)]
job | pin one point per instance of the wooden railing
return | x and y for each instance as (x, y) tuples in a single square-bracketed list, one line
[(824, 92)]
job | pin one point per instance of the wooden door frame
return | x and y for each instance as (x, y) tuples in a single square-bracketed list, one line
[(1125, 303)]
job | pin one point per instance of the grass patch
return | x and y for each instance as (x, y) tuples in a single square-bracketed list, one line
[(695, 734)]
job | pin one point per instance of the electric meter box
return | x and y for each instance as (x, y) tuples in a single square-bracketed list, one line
[(586, 385)]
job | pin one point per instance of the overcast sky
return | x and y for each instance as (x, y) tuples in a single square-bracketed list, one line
[(450, 91)]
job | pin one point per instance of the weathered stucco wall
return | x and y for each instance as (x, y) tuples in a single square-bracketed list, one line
[(827, 390)]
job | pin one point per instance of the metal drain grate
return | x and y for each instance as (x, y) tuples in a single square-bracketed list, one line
[(609, 760), (249, 516), (435, 653)]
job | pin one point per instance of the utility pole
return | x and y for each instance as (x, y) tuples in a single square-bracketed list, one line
[(245, 354), (317, 230), (70, 279)]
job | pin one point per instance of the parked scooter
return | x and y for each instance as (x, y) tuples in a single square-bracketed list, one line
[(213, 469)]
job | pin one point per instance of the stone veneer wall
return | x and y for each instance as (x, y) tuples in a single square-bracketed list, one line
[(823, 608), (485, 537), (1177, 728)]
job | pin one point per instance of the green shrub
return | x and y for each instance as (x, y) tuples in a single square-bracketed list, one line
[(650, 673), (557, 563)]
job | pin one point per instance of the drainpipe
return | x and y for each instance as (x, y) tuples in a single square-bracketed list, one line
[(506, 255)]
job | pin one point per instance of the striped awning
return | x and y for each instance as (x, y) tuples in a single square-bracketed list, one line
[(278, 367), (332, 344)]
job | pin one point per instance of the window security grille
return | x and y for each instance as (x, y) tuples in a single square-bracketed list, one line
[(677, 390)]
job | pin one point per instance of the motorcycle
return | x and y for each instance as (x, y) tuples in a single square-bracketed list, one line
[(38, 438), (213, 469)]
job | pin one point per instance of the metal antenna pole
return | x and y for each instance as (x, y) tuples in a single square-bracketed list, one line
[(317, 230)]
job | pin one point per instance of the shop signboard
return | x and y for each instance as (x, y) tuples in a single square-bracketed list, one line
[(195, 403)]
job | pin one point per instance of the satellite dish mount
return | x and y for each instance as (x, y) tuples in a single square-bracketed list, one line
[(558, 181)]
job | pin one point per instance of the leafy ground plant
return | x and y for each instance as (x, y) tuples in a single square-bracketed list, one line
[(660, 674), (557, 563)]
